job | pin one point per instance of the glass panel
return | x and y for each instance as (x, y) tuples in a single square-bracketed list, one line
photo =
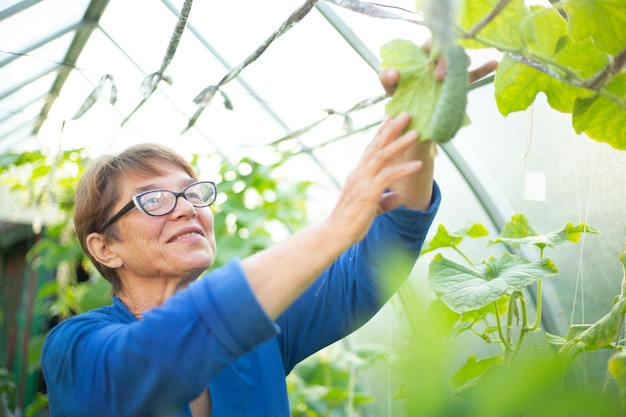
[(39, 22), (40, 61), (25, 95)]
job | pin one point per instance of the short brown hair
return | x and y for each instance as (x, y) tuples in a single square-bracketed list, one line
[(97, 192)]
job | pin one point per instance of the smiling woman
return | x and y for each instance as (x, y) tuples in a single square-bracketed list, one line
[(99, 192), (181, 342)]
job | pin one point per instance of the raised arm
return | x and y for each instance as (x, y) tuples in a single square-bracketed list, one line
[(278, 275), (416, 189)]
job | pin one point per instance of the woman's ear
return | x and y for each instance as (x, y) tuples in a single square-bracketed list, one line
[(102, 252)]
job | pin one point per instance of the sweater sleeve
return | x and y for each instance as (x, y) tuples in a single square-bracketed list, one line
[(96, 364), (357, 285)]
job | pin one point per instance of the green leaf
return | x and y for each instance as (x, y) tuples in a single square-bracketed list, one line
[(9, 159), (8, 392), (417, 91), (518, 232), (601, 20), (601, 118), (465, 289), (617, 367), (471, 371), (35, 345), (517, 84), (622, 259), (518, 227), (547, 36), (40, 171), (554, 339), (599, 335), (449, 239), (444, 320), (98, 294), (504, 29)]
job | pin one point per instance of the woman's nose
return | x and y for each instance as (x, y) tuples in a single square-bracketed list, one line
[(183, 207)]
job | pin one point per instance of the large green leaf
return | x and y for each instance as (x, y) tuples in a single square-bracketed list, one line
[(601, 118), (599, 335), (518, 232), (465, 289), (603, 332), (601, 20), (417, 91), (517, 84)]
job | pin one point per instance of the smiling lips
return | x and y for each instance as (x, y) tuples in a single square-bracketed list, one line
[(188, 232)]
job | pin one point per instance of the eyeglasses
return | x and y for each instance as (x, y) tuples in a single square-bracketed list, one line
[(162, 202)]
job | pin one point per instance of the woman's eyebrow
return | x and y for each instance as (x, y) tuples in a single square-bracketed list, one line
[(152, 186), (147, 187)]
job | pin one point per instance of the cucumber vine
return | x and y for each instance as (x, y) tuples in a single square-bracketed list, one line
[(489, 300), (573, 51)]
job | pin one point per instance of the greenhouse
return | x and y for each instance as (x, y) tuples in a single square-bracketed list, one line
[(516, 303)]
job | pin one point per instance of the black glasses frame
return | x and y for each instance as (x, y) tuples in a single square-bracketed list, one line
[(135, 203)]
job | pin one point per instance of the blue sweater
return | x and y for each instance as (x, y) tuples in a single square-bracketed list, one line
[(108, 363)]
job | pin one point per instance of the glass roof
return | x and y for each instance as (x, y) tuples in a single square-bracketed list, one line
[(48, 68), (54, 53)]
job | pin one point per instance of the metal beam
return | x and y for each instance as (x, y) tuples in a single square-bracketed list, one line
[(353, 40), (20, 109), (16, 8), (24, 83), (28, 49), (89, 23)]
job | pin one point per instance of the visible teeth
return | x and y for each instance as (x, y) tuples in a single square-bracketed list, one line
[(187, 234)]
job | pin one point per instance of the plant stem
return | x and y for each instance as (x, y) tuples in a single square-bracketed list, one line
[(535, 326), (507, 346), (608, 73), (510, 313), (485, 20), (468, 260), (523, 327)]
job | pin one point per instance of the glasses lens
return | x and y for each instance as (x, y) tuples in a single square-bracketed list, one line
[(157, 202), (200, 194)]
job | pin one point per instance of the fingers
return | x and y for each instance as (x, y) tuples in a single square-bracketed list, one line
[(382, 164), (475, 74), (382, 158), (388, 131), (389, 78), (483, 70), (389, 201), (381, 161)]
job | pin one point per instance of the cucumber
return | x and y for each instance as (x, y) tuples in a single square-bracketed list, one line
[(449, 113)]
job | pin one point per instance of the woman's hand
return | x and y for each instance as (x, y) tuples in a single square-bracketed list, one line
[(363, 195), (416, 189), (389, 77), (279, 274)]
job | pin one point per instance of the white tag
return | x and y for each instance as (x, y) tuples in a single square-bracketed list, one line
[(535, 186)]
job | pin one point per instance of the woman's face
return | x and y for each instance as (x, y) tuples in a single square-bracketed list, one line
[(178, 245)]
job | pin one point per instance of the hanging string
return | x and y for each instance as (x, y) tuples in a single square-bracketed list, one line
[(580, 277), (529, 140)]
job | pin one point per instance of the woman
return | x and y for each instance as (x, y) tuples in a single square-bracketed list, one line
[(177, 344)]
